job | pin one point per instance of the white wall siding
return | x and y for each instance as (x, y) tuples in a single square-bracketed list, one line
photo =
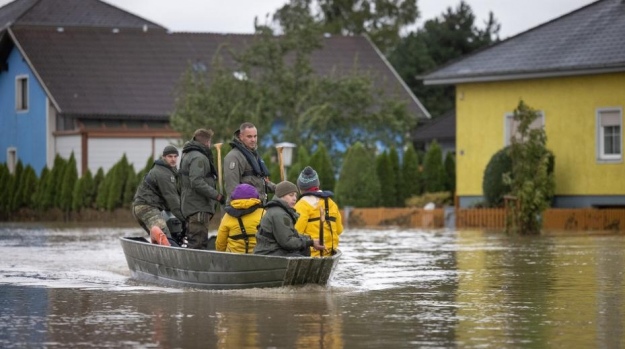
[(106, 152), (65, 145)]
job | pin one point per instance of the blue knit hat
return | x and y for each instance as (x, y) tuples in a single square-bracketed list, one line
[(308, 179)]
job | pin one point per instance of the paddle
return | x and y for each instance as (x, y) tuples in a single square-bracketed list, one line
[(219, 175), (279, 149)]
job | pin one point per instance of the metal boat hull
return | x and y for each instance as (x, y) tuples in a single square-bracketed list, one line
[(182, 267)]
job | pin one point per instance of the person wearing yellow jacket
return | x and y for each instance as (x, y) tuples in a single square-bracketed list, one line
[(319, 215), (237, 230)]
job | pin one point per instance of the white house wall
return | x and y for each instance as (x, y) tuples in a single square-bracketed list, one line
[(106, 152), (65, 145)]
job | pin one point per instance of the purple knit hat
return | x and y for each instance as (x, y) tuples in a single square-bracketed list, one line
[(244, 191)]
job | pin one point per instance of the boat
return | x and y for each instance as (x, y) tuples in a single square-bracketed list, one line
[(213, 270)]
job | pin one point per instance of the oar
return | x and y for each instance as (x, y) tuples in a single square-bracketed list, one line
[(219, 175), (279, 149), (322, 219)]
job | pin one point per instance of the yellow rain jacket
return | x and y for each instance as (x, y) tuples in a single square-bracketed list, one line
[(230, 237), (309, 220)]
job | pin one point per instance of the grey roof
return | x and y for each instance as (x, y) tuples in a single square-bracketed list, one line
[(442, 128), (589, 40), (95, 72), (69, 13)]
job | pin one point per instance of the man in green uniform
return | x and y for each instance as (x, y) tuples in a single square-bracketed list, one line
[(159, 191), (243, 164), (199, 194)]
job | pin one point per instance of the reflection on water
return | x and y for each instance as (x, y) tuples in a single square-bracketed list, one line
[(392, 288)]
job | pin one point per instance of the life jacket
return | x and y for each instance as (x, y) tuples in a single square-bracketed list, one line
[(238, 214), (259, 169), (325, 195)]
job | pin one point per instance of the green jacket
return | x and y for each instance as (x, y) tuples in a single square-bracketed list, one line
[(241, 169), (277, 235), (198, 177), (160, 189)]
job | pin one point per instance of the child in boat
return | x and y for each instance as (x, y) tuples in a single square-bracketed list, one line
[(277, 235), (319, 215), (237, 230)]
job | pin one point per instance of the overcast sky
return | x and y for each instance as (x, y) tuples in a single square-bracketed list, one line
[(237, 16)]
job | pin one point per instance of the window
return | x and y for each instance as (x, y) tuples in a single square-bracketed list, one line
[(512, 126), (12, 159), (610, 134), (21, 93)]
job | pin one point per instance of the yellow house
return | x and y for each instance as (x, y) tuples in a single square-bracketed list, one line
[(572, 70)]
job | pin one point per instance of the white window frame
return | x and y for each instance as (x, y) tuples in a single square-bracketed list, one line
[(601, 114), (12, 159), (508, 124), (22, 98)]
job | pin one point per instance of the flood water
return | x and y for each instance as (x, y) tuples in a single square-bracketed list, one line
[(70, 288)]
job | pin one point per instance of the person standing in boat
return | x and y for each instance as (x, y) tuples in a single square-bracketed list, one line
[(237, 230), (198, 184), (159, 191), (277, 235), (243, 164), (319, 215)]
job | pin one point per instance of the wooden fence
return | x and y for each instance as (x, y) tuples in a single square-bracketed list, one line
[(553, 219), (405, 217)]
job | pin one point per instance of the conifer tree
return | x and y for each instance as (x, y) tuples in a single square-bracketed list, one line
[(69, 179), (42, 185), (322, 163), (358, 184), (52, 195), (433, 170), (450, 171), (81, 197), (129, 188), (117, 183), (411, 172), (25, 188), (4, 189), (400, 194), (387, 180), (14, 192), (94, 190)]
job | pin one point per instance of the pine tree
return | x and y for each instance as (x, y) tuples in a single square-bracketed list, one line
[(95, 192), (26, 187), (15, 196), (358, 184), (5, 177), (52, 196), (433, 170), (42, 189), (450, 170), (387, 180), (69, 179), (411, 173), (399, 192)]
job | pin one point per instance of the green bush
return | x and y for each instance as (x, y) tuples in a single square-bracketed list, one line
[(493, 186), (440, 199)]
